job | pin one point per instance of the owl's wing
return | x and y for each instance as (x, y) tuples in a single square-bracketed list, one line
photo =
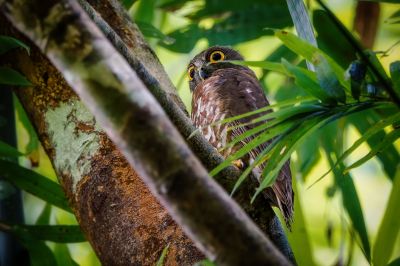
[(242, 93)]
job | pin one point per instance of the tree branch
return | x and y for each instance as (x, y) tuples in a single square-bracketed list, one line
[(136, 123)]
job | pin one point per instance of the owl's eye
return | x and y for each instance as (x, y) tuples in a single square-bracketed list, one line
[(216, 56), (191, 73)]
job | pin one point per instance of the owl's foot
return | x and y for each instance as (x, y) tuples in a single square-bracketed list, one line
[(238, 163)]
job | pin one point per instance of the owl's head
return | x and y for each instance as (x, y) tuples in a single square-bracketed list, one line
[(203, 65)]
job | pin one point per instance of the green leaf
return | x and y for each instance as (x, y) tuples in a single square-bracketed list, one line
[(150, 31), (395, 75), (33, 143), (395, 262), (386, 1), (63, 256), (9, 76), (345, 183), (44, 217), (307, 80), (7, 150), (363, 122), (205, 262), (145, 11), (7, 43), (308, 154), (390, 225), (54, 233), (388, 140), (299, 238), (161, 260), (315, 56), (329, 37), (394, 18), (271, 66), (35, 184)]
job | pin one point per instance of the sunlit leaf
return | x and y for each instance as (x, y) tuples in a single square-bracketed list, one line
[(394, 18), (145, 11), (390, 225), (7, 43), (395, 262), (44, 217), (9, 76), (34, 183)]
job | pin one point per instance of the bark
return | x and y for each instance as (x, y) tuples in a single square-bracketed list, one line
[(117, 213), (136, 123), (116, 25)]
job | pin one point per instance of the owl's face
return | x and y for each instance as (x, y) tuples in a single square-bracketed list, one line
[(203, 65)]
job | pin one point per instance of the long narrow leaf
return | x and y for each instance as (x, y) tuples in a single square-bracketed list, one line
[(388, 140), (54, 233), (7, 150), (34, 183), (390, 225), (7, 43)]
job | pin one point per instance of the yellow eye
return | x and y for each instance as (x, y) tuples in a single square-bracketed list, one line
[(216, 56), (191, 72)]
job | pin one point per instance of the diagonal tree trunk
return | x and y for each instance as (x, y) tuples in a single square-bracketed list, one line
[(94, 192)]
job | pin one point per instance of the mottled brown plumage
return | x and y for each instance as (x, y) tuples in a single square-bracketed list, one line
[(221, 90)]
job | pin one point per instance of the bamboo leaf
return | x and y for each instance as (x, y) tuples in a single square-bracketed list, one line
[(313, 55), (161, 260), (35, 184), (395, 262), (54, 233), (390, 225), (395, 75), (33, 143), (150, 31), (307, 80), (345, 183), (44, 217), (388, 140), (271, 66), (7, 150), (9, 76), (63, 256), (7, 43)]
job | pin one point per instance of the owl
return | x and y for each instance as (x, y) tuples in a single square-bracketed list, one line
[(220, 90)]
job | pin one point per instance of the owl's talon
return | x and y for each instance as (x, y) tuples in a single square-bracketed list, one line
[(238, 163)]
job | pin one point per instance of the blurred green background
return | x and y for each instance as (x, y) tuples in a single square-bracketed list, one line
[(326, 222)]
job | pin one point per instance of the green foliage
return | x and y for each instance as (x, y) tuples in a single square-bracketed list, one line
[(390, 225), (164, 253)]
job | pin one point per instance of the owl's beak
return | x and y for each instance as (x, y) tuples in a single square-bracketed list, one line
[(203, 73)]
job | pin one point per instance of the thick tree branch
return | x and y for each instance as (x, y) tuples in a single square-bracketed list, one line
[(119, 216), (136, 123), (113, 21)]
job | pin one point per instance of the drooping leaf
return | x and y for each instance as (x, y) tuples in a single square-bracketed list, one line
[(145, 11), (345, 183), (390, 225), (299, 237), (54, 233), (394, 18), (150, 31), (44, 217), (329, 37), (395, 75), (364, 122), (388, 140), (34, 183), (7, 150), (7, 43), (63, 256), (33, 143), (9, 76), (271, 66), (164, 253), (307, 80)]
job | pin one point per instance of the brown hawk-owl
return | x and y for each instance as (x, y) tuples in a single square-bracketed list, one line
[(221, 90)]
